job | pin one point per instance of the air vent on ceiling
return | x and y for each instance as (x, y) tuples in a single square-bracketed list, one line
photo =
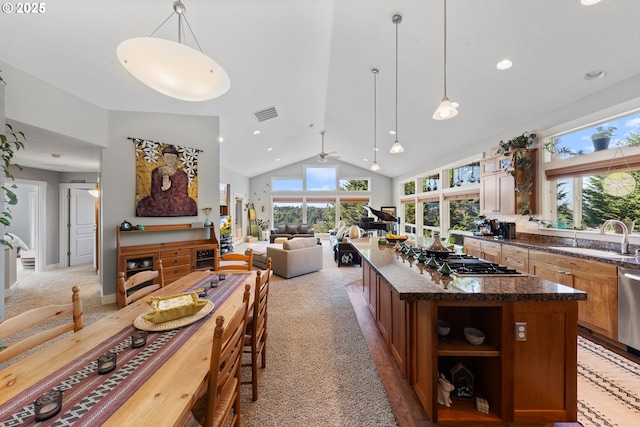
[(266, 114)]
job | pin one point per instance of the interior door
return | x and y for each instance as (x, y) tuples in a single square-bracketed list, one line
[(82, 226)]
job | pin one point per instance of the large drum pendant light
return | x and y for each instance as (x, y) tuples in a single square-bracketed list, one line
[(173, 68)]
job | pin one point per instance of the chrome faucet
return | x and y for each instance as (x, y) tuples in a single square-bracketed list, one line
[(624, 245)]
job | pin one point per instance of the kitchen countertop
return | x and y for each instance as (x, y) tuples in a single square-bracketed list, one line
[(542, 243), (413, 281)]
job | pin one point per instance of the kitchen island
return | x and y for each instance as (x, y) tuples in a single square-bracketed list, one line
[(531, 379)]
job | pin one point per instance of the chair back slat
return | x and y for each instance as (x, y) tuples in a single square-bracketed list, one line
[(125, 296), (231, 262), (41, 316), (224, 372)]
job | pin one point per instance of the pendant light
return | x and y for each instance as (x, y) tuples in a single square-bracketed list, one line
[(375, 166), (396, 147), (173, 68), (446, 109)]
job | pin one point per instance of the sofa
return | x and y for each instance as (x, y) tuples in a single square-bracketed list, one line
[(297, 256), (290, 231)]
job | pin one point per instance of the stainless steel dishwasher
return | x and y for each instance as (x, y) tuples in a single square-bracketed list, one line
[(629, 307)]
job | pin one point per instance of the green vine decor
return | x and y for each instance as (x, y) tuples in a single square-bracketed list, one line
[(9, 144), (521, 167)]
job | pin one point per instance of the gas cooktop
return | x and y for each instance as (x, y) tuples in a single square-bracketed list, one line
[(466, 265)]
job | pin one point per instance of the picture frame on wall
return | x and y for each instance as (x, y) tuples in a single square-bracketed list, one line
[(391, 210)]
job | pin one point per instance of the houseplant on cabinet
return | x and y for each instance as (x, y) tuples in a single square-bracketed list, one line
[(602, 137), (522, 168)]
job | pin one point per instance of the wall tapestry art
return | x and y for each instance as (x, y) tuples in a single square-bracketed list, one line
[(166, 179)]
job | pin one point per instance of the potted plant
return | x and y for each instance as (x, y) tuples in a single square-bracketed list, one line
[(520, 168), (602, 137), (9, 144), (552, 145)]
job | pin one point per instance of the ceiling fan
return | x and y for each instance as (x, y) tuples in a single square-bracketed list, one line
[(322, 157)]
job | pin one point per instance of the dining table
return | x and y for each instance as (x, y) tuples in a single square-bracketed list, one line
[(155, 385)]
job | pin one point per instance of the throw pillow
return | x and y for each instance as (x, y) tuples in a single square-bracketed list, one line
[(292, 229), (282, 229), (303, 229)]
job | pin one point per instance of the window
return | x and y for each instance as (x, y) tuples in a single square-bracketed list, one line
[(577, 173), (430, 183), (320, 178), (282, 184), (463, 212), (409, 188), (409, 217), (287, 211), (352, 210), (354, 185), (321, 213)]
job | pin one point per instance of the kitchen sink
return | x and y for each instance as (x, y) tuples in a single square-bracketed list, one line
[(591, 252)]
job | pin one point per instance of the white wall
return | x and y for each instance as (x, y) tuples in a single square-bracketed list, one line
[(260, 191), (118, 177), (35, 102)]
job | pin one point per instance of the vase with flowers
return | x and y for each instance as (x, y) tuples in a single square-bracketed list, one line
[(207, 211)]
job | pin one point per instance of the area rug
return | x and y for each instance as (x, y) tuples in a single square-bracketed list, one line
[(319, 370), (608, 387)]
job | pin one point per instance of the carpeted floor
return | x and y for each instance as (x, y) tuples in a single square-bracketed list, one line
[(319, 369)]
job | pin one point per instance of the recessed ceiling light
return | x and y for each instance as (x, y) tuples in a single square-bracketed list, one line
[(392, 132), (220, 139), (589, 2), (270, 149), (256, 132), (595, 74), (277, 160), (366, 160), (505, 64)]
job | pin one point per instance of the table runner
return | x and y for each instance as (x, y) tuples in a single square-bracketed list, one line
[(88, 398)]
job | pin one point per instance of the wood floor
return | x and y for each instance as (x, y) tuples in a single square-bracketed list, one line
[(404, 402)]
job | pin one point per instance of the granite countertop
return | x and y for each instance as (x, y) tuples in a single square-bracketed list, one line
[(544, 243), (413, 281)]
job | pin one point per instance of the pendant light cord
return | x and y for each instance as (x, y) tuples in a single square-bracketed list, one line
[(445, 48), (375, 114), (398, 18)]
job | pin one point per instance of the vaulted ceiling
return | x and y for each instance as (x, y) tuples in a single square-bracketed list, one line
[(312, 61)]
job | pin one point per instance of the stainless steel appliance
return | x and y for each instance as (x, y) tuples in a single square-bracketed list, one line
[(629, 307)]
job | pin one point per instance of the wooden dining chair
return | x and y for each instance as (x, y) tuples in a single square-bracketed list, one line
[(223, 392), (232, 262), (37, 317), (130, 289), (255, 339)]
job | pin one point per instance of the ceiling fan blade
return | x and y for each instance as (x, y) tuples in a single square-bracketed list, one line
[(333, 155)]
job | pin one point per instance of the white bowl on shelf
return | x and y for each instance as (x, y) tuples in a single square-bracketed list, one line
[(443, 328), (474, 336)]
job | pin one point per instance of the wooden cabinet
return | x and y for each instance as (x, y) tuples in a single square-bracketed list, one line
[(504, 191), (178, 258), (599, 280), (545, 363), (523, 381), (515, 257), (390, 313), (490, 251), (497, 194)]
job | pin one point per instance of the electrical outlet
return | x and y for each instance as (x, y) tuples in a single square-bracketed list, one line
[(521, 331)]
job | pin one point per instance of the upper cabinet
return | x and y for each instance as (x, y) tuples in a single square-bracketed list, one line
[(508, 183)]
